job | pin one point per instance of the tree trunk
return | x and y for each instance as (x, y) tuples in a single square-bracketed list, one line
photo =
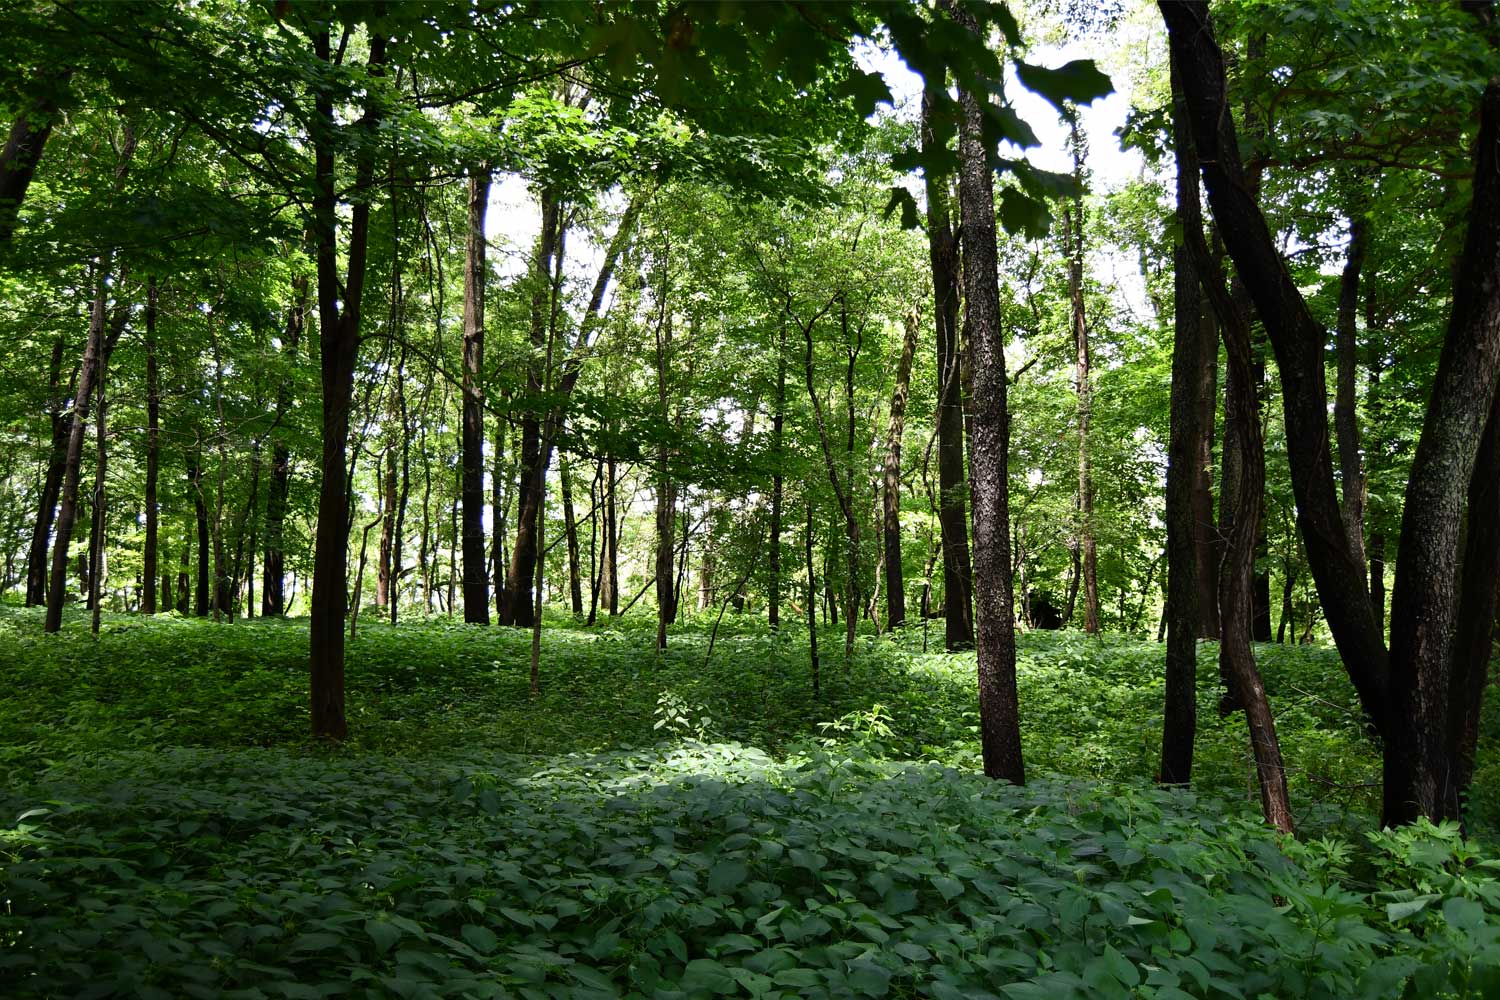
[(62, 426), (476, 584), (1205, 530), (1345, 416), (385, 569), (1184, 471), (103, 332), (895, 587), (518, 607), (952, 517), (184, 585), (778, 496), (101, 458), (273, 568), (498, 478), (999, 712), (153, 455), (200, 519), (570, 529), (1412, 693), (338, 341), (812, 606), (1074, 240), (23, 147), (609, 570)]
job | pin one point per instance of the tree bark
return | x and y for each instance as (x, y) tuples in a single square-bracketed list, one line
[(952, 517), (61, 416), (200, 518), (895, 587), (570, 530), (339, 312), (476, 583), (609, 572), (778, 455), (1082, 385), (999, 710), (23, 147), (1184, 470), (1345, 415), (273, 566), (153, 455)]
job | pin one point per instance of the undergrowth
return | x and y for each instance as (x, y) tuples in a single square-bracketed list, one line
[(681, 826)]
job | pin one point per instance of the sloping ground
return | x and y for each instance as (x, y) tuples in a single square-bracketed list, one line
[(696, 871)]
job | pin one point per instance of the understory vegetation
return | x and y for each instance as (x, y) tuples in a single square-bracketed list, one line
[(680, 825)]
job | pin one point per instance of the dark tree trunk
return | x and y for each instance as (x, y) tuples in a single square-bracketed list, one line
[(338, 341), (497, 519), (1411, 694), (1345, 416), (476, 584), (952, 517), (273, 567), (570, 529), (1188, 434), (104, 331), (812, 605), (184, 585), (62, 427), (23, 147), (999, 713), (385, 568), (200, 519), (895, 586), (1205, 530), (518, 604), (96, 539), (153, 455), (778, 425), (1082, 384)]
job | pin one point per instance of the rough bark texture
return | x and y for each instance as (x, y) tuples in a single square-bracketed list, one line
[(895, 586), (1184, 455), (953, 519), (1412, 695), (471, 441), (339, 311), (999, 710)]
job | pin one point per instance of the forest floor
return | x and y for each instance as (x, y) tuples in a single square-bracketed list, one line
[(682, 825)]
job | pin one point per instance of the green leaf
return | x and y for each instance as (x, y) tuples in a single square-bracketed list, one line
[(481, 939), (384, 935), (727, 875), (1076, 82)]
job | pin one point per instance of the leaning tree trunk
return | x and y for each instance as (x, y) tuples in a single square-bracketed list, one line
[(471, 440), (999, 710), (953, 519), (23, 146)]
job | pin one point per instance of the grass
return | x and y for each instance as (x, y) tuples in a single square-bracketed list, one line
[(673, 826)]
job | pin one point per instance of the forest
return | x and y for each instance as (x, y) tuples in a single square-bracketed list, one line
[(750, 498)]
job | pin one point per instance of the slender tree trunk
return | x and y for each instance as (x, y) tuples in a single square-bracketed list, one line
[(1083, 386), (1345, 416), (519, 605), (952, 515), (476, 584), (62, 428), (570, 530), (184, 585), (778, 493), (999, 712), (895, 587), (153, 455), (339, 311), (609, 571), (103, 332), (498, 477), (200, 518), (273, 567), (101, 458), (385, 570), (812, 606)]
